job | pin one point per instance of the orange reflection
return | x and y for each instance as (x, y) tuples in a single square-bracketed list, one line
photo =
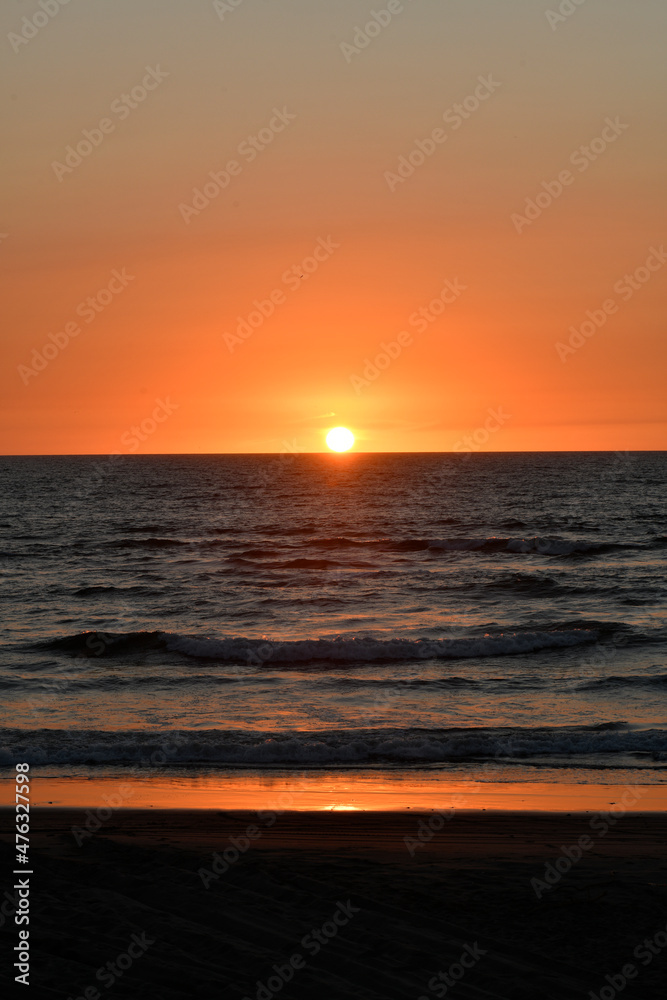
[(337, 792)]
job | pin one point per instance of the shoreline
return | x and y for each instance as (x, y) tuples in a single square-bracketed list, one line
[(317, 791)]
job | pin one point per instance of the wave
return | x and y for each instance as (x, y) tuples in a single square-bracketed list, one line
[(342, 542), (102, 589), (405, 683), (554, 545), (91, 591), (143, 543), (265, 553), (82, 682), (142, 529), (305, 563), (547, 545), (342, 650), (551, 545), (616, 682), (62, 682), (535, 585), (365, 747)]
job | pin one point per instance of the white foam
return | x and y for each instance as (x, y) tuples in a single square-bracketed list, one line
[(360, 747)]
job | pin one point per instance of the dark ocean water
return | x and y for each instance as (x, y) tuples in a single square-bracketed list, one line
[(501, 611)]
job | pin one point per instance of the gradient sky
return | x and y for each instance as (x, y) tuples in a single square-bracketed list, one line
[(324, 178)]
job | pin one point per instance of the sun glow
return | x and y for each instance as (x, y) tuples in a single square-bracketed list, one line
[(340, 439)]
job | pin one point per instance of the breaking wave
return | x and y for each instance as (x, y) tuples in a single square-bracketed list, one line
[(345, 650), (351, 747)]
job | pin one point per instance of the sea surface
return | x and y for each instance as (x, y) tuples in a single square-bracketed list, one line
[(496, 616)]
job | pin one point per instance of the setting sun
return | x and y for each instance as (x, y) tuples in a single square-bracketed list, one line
[(340, 439)]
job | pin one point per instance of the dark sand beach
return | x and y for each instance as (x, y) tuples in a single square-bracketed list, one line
[(391, 914)]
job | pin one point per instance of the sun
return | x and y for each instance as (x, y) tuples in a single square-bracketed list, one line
[(340, 439)]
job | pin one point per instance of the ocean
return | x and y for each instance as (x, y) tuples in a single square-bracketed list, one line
[(492, 617)]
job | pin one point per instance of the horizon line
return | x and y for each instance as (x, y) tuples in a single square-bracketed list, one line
[(297, 454)]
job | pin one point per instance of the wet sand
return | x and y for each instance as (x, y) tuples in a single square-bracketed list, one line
[(342, 904), (311, 791)]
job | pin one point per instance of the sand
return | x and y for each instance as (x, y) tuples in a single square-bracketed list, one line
[(344, 790), (390, 915)]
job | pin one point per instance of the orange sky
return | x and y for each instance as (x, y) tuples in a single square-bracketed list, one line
[(333, 124)]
